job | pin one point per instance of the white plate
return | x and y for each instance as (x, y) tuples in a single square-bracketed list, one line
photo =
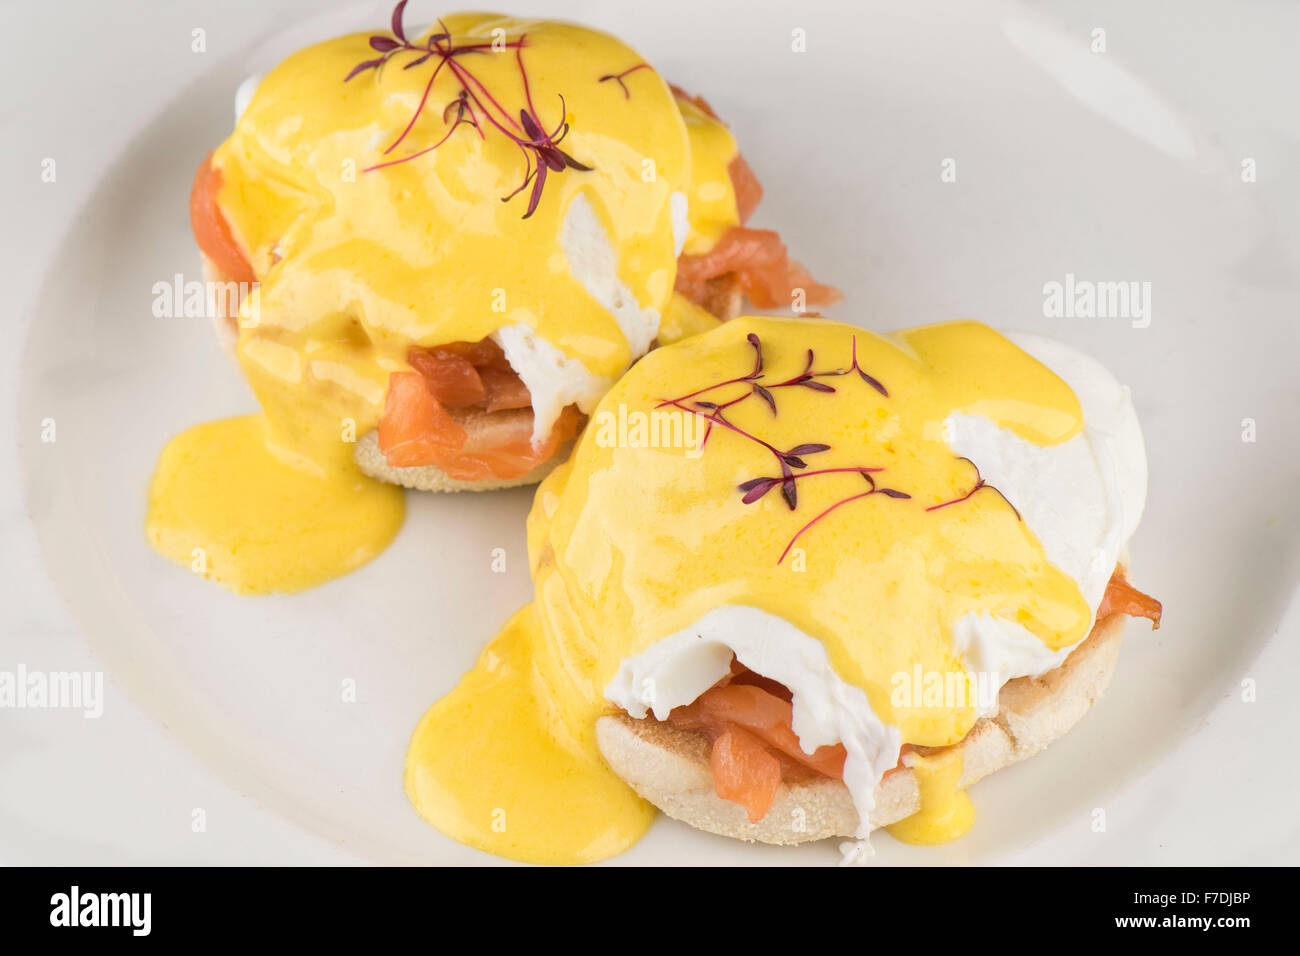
[(1065, 164)]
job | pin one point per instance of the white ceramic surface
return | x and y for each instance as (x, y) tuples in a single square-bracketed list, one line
[(1067, 162)]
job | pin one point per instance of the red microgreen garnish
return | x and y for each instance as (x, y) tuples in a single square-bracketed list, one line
[(865, 377), (475, 104), (979, 484), (791, 462), (756, 488), (618, 78), (872, 490)]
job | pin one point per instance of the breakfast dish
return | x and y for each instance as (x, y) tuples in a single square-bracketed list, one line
[(441, 248), (799, 580), (793, 580)]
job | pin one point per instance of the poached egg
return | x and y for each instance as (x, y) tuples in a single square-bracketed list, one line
[(366, 241), (960, 499)]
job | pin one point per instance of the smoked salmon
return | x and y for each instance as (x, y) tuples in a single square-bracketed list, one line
[(748, 190), (211, 231), (760, 261), (1122, 598), (744, 772), (464, 411), (749, 720)]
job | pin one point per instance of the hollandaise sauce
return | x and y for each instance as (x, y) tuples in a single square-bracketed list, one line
[(946, 810), (886, 540), (369, 207), (547, 797), (225, 504)]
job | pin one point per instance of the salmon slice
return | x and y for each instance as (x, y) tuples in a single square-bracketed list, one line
[(504, 390), (500, 445), (487, 432), (748, 190), (754, 747), (469, 375), (451, 378), (472, 416), (760, 261), (762, 713), (468, 444), (211, 231), (1122, 598), (415, 429), (483, 354), (744, 772)]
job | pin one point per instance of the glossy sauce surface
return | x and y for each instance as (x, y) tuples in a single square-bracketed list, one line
[(946, 810), (224, 504)]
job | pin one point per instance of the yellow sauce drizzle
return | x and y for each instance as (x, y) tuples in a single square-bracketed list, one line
[(683, 319), (223, 504), (946, 811), (558, 802), (712, 196)]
